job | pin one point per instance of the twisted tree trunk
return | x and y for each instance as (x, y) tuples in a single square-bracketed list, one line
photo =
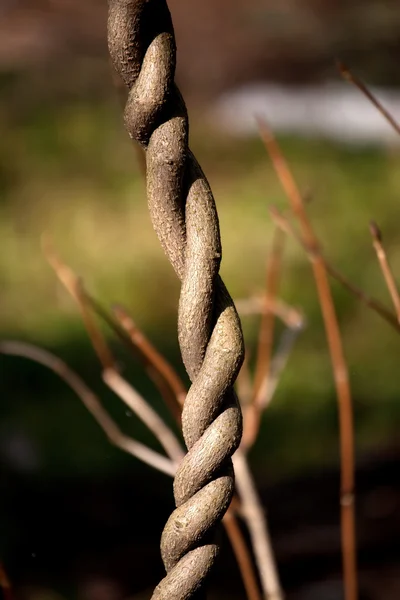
[(183, 212)]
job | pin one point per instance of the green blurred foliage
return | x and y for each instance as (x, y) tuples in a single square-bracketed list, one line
[(71, 171)]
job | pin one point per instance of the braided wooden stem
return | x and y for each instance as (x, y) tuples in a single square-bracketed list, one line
[(142, 47)]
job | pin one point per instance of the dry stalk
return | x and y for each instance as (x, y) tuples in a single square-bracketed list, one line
[(147, 414), (268, 371), (91, 402), (258, 395), (252, 512), (278, 364), (266, 332), (265, 341), (372, 303), (289, 315), (242, 555), (349, 76), (244, 384), (126, 331), (385, 267), (160, 368), (339, 366), (110, 375)]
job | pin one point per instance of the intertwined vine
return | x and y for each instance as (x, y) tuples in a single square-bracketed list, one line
[(142, 47)]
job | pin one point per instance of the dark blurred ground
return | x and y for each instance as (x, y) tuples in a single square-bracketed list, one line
[(77, 518)]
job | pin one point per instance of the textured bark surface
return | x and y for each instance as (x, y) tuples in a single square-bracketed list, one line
[(183, 212)]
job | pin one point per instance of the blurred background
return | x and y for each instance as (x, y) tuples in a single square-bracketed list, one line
[(79, 519)]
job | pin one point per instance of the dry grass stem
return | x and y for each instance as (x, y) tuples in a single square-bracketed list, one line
[(145, 412), (91, 402), (385, 267), (338, 361), (253, 513), (278, 364), (244, 384), (163, 376), (74, 286), (111, 377), (289, 315), (242, 555), (266, 331), (252, 413), (349, 76), (372, 303), (160, 368)]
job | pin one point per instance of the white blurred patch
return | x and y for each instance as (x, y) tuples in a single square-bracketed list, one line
[(336, 111)]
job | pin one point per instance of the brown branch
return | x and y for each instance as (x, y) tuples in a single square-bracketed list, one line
[(252, 414), (266, 331), (159, 367), (338, 361), (91, 402), (372, 303), (242, 555), (349, 76), (74, 286), (145, 412), (278, 364), (127, 332), (257, 524), (110, 375), (244, 384), (385, 267), (289, 315)]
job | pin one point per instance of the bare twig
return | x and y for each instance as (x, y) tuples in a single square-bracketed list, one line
[(372, 303), (278, 364), (244, 384), (92, 403), (385, 267), (74, 286), (160, 367), (252, 510), (110, 375), (266, 331), (242, 555), (145, 412), (289, 315), (349, 76), (252, 414), (253, 513), (338, 361), (265, 382), (161, 373)]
